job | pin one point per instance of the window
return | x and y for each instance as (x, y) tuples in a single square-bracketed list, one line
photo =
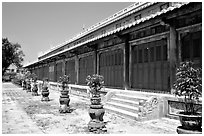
[(158, 53)]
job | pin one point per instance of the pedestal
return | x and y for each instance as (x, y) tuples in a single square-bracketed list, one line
[(64, 102), (28, 87), (45, 94), (96, 112), (35, 90), (24, 85)]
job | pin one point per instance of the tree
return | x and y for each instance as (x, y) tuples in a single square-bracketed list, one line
[(11, 54)]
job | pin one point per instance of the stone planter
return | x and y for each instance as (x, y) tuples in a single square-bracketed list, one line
[(35, 90), (45, 93), (28, 86), (64, 102), (191, 122), (96, 112), (24, 84)]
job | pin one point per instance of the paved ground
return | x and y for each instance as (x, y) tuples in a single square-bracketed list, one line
[(23, 113)]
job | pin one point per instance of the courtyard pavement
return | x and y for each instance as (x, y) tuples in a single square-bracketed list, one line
[(23, 113)]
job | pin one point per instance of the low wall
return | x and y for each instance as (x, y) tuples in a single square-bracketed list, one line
[(169, 104)]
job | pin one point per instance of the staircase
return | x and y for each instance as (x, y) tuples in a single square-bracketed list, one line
[(134, 105)]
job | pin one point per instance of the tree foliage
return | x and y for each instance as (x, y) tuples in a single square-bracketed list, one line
[(95, 83), (11, 54), (188, 84)]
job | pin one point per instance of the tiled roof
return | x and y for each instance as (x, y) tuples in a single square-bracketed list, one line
[(124, 12), (175, 6)]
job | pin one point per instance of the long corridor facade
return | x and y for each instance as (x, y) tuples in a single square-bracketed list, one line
[(137, 48)]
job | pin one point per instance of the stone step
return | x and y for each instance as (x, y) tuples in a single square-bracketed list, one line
[(121, 112), (131, 97), (125, 101), (123, 107)]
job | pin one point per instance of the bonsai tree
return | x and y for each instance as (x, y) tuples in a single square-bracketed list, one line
[(96, 110), (95, 83), (64, 98), (64, 80), (189, 85), (45, 91), (34, 84)]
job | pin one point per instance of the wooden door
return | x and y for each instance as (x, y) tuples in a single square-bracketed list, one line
[(111, 67), (70, 70), (58, 71), (150, 66), (86, 67)]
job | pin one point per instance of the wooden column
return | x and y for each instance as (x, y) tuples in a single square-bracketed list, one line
[(77, 68), (63, 67), (126, 63), (98, 62), (172, 55), (130, 66), (95, 61), (55, 71)]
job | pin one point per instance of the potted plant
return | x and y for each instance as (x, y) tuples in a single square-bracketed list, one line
[(64, 98), (34, 84), (24, 80), (96, 110), (45, 91), (27, 80), (95, 84), (64, 80), (188, 86)]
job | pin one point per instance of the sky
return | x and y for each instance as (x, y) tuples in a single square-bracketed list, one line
[(38, 26)]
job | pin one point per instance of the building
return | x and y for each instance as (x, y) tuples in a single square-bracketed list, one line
[(137, 48)]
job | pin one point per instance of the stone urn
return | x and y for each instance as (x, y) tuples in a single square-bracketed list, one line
[(24, 84), (64, 97), (45, 92), (35, 89), (28, 85), (96, 110)]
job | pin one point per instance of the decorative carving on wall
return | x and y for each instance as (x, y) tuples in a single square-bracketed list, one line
[(147, 107)]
